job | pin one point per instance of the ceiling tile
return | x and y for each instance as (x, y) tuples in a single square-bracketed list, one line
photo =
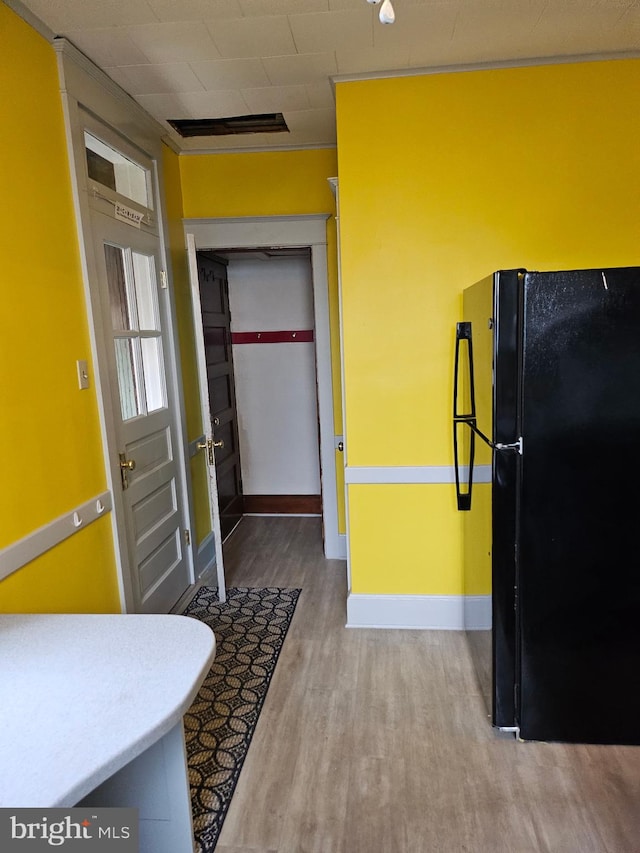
[(61, 15), (231, 74), (321, 95), (631, 25), (416, 25), (289, 70), (252, 37), (340, 5), (155, 79), (561, 31), (342, 30), (276, 99), (312, 125), (163, 106), (107, 46), (282, 7), (195, 105), (195, 10), (380, 58), (174, 42), (219, 104)]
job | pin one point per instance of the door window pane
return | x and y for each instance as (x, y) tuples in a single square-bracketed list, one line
[(144, 277), (112, 169), (116, 276), (153, 373), (127, 380), (131, 278)]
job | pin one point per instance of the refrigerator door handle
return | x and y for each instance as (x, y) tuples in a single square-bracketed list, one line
[(463, 498), (463, 333)]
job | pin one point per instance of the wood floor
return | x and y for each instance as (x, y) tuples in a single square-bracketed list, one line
[(378, 741)]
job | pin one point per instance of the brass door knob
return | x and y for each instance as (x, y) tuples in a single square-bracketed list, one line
[(208, 445), (125, 466), (203, 445)]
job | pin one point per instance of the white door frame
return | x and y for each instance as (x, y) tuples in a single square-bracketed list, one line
[(333, 183), (205, 414), (87, 92), (284, 232)]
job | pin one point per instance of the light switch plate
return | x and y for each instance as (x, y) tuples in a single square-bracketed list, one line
[(83, 374)]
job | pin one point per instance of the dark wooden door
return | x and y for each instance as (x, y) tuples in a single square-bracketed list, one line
[(216, 325)]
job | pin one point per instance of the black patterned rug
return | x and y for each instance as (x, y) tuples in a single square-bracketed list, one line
[(250, 629)]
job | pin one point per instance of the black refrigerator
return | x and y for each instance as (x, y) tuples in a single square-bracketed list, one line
[(547, 399)]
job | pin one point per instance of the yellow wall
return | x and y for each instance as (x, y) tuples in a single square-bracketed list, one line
[(277, 183), (466, 173), (284, 183), (49, 431), (75, 577), (416, 530)]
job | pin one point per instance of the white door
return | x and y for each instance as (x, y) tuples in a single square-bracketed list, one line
[(208, 442), (134, 313)]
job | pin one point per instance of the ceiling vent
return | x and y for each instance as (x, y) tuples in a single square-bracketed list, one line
[(265, 123)]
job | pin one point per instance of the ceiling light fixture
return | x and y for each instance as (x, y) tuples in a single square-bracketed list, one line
[(386, 14)]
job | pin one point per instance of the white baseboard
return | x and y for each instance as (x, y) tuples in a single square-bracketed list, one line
[(282, 515), (340, 547), (477, 612), (335, 546), (431, 612)]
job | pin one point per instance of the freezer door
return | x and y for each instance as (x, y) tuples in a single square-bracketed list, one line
[(578, 573)]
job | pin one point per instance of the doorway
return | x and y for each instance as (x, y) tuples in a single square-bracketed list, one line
[(308, 232), (272, 334)]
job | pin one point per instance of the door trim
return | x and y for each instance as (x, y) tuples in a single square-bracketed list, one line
[(289, 231), (340, 441), (205, 413)]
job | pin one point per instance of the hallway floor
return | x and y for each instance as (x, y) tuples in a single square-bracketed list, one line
[(375, 741)]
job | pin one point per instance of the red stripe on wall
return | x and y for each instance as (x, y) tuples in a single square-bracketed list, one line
[(297, 336)]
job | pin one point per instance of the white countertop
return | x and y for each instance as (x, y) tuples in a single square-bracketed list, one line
[(82, 695)]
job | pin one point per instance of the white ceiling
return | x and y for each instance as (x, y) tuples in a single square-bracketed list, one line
[(220, 58)]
